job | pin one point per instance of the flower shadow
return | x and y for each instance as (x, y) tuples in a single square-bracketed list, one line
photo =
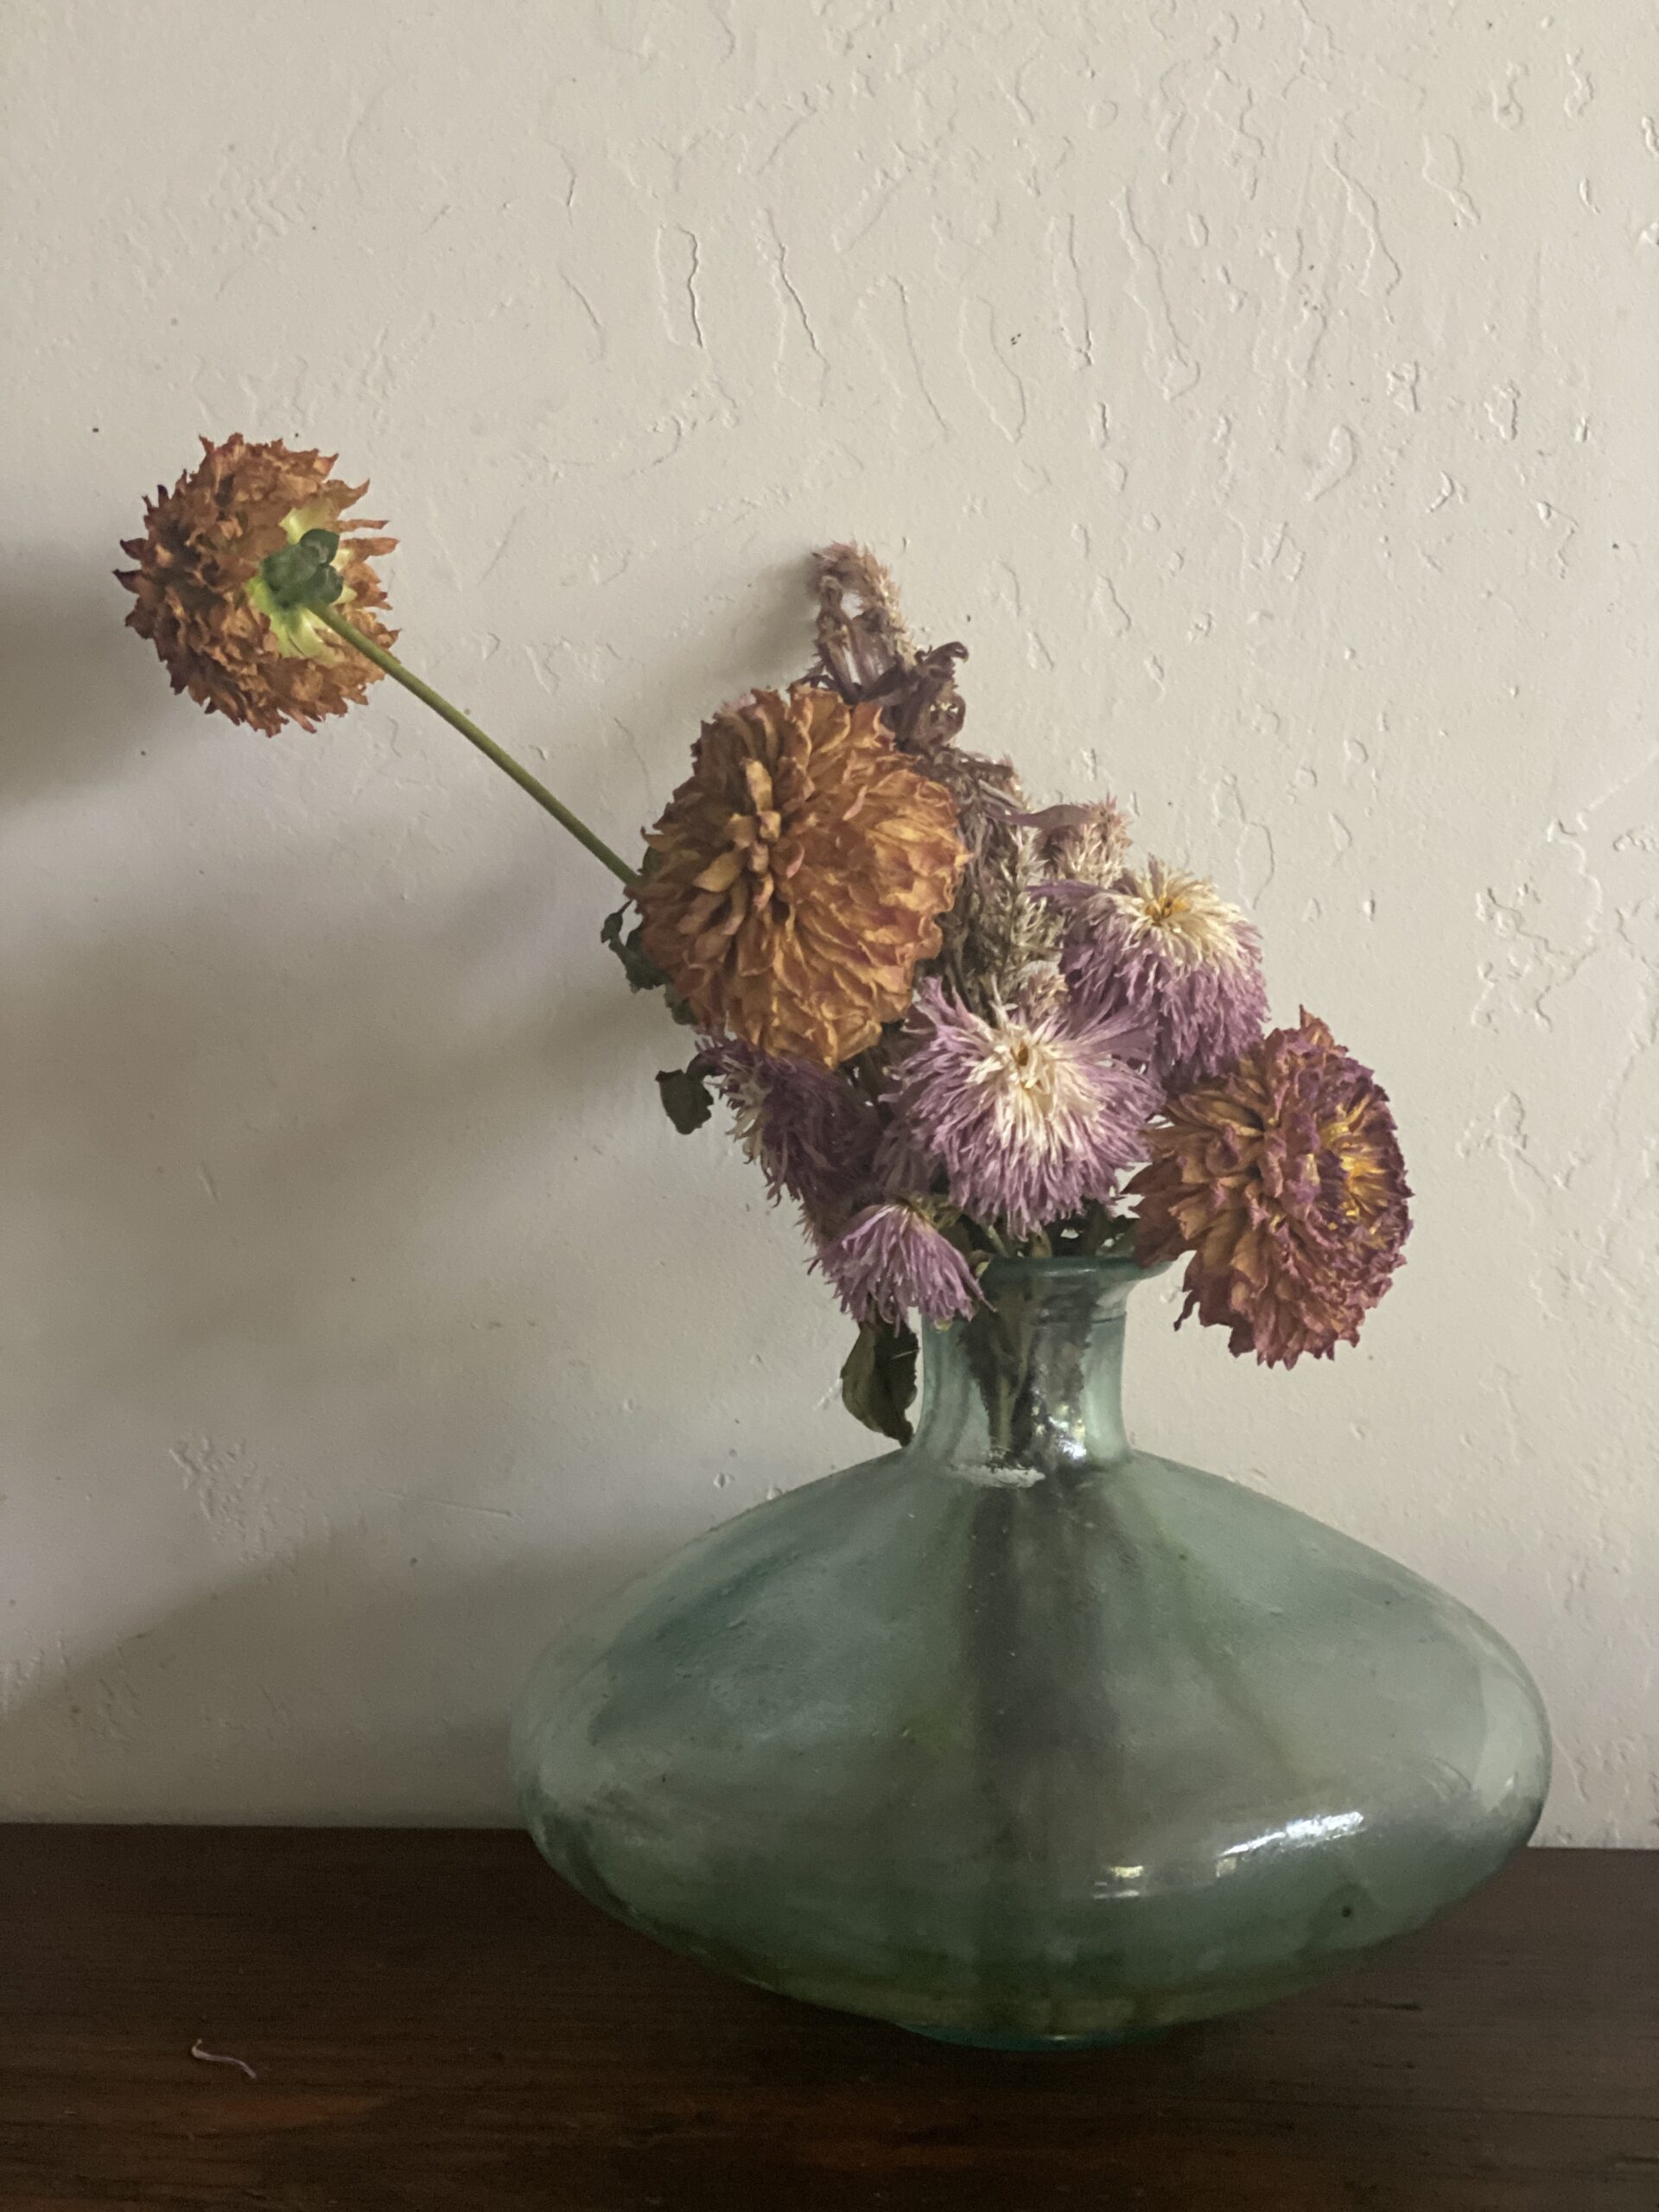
[(342, 1229), (71, 668)]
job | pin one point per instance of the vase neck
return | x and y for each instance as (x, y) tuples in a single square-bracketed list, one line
[(1033, 1383)]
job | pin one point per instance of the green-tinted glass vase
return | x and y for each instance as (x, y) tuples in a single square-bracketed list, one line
[(1022, 1736)]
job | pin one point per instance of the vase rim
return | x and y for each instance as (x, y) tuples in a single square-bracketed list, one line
[(1076, 1267)]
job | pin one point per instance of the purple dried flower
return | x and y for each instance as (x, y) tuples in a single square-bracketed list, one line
[(1029, 1112), (1283, 1180), (813, 1133), (1168, 948), (891, 1260)]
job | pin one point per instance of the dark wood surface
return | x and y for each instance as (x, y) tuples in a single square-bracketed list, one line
[(436, 2020)]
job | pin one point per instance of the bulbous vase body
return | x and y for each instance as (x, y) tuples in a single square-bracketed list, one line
[(1022, 1736)]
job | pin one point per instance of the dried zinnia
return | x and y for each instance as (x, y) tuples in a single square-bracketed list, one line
[(800, 874), (1166, 947), (1283, 1180), (893, 1260), (1030, 1112), (202, 603)]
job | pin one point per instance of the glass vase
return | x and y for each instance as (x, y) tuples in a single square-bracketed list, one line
[(1022, 1736)]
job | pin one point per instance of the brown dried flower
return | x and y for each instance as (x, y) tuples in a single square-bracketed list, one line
[(865, 651), (1003, 942), (1082, 844), (201, 603), (862, 639), (800, 873), (996, 935)]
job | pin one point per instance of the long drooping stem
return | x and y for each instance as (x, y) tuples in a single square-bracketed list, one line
[(469, 729)]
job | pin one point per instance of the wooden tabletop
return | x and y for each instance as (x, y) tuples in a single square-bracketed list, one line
[(434, 2019)]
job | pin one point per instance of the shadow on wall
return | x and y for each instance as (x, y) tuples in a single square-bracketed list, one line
[(70, 666), (234, 1145), (259, 1356), (295, 1167), (328, 1682)]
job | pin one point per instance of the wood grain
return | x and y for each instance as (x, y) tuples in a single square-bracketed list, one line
[(436, 2020)]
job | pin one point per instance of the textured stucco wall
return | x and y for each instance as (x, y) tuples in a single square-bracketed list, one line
[(1267, 397)]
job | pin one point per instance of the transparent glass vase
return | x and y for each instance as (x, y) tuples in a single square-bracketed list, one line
[(1022, 1736)]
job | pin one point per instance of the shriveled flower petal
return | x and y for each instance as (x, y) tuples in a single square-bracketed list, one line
[(1030, 1112), (1166, 946), (863, 641), (1086, 843), (199, 598), (891, 1261), (1284, 1181), (799, 874), (813, 1134)]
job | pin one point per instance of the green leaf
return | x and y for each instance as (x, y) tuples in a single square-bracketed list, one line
[(687, 1099), (877, 1383)]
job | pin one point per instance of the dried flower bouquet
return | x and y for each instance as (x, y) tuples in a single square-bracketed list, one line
[(950, 1026)]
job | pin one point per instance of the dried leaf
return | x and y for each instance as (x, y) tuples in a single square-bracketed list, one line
[(877, 1383), (642, 971), (687, 1099)]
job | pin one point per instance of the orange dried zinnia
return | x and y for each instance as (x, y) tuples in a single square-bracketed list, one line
[(201, 603), (800, 874)]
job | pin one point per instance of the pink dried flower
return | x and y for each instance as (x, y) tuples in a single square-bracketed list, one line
[(1284, 1181), (891, 1260), (813, 1134), (1166, 947), (1030, 1112)]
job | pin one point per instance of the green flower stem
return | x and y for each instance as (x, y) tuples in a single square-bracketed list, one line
[(470, 730)]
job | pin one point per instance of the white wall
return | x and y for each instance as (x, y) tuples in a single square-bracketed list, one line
[(1267, 397)]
